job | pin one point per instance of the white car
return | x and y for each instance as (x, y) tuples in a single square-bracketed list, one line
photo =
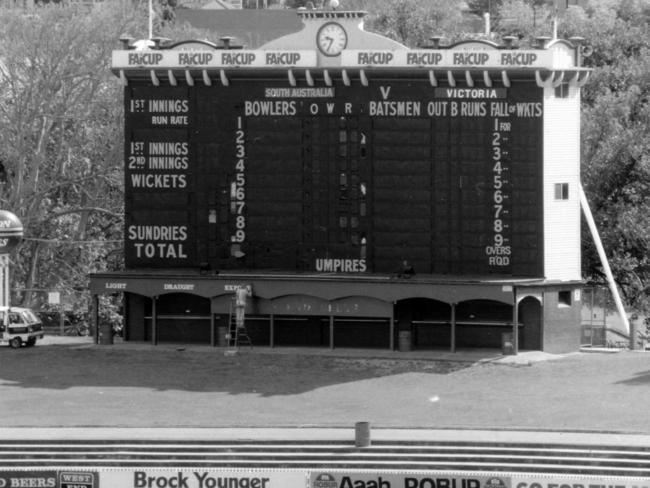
[(19, 326)]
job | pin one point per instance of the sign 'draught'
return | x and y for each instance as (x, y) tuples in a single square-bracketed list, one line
[(11, 231)]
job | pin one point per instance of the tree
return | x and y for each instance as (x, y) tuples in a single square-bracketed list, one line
[(414, 22), (616, 173), (482, 7), (615, 135), (616, 30), (616, 140), (60, 142), (525, 19)]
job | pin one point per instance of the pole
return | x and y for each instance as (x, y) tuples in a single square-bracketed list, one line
[(272, 331), (603, 258), (95, 317), (213, 334), (154, 322), (515, 323), (61, 319), (488, 28), (453, 328), (4, 279), (150, 19)]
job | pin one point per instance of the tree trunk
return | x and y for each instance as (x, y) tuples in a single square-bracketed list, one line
[(28, 297)]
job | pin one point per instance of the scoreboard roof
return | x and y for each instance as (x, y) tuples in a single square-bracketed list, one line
[(333, 43), (277, 287)]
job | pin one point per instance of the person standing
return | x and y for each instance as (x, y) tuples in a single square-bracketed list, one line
[(241, 294)]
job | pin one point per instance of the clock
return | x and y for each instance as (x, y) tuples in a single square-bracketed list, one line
[(331, 39)]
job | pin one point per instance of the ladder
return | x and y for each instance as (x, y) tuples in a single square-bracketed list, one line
[(237, 333)]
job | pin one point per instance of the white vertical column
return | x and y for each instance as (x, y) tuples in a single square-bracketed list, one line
[(4, 280), (586, 210)]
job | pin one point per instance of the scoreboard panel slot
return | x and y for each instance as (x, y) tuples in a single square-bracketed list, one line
[(271, 167), (399, 209), (173, 216), (394, 225), (275, 194), (397, 239), (395, 151), (277, 153), (158, 201), (401, 167), (282, 180), (393, 137), (406, 124)]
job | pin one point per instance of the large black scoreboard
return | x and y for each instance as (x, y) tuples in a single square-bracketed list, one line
[(263, 175)]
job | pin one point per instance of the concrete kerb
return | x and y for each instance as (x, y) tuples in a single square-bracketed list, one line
[(327, 434), (493, 356)]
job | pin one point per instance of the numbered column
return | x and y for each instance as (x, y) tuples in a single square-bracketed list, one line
[(499, 250), (238, 192)]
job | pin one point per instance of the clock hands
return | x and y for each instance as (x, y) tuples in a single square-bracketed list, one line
[(331, 39)]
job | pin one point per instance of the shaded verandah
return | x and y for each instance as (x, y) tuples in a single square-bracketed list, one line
[(385, 304)]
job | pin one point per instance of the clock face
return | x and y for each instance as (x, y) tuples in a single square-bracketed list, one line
[(331, 39)]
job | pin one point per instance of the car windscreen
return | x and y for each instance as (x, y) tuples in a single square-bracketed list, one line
[(29, 317)]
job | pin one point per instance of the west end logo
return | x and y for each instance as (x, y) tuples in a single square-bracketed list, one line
[(495, 483), (325, 480)]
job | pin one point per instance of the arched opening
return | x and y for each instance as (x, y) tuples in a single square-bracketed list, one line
[(300, 320), (179, 317), (426, 321), (530, 317), (481, 323)]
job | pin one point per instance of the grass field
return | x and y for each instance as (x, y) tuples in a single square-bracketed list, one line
[(72, 382)]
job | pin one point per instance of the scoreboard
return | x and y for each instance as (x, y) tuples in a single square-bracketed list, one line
[(334, 150), (263, 174), (324, 167)]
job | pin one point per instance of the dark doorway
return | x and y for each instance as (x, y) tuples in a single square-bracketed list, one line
[(530, 315)]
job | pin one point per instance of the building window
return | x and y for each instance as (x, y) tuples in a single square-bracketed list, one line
[(561, 191), (564, 298), (562, 91)]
